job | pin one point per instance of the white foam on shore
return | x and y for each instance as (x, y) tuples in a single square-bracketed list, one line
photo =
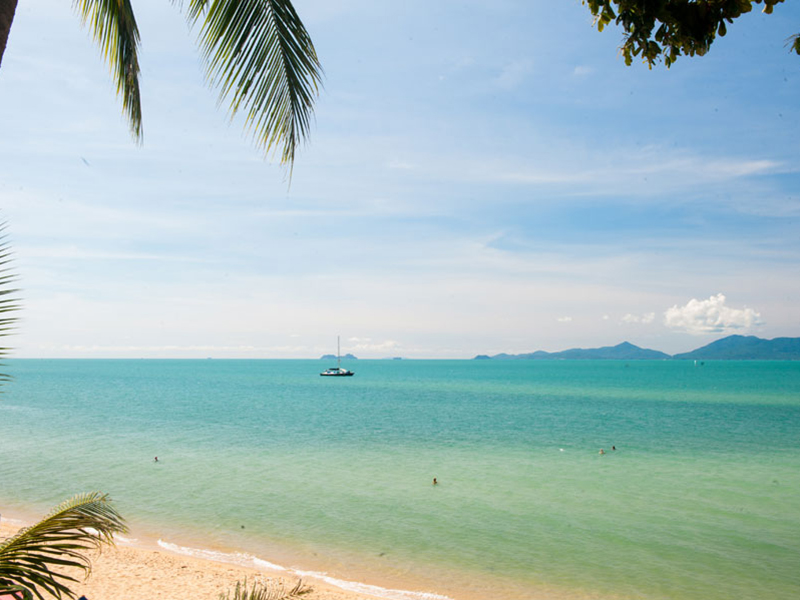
[(248, 560), (125, 540), (373, 590), (235, 558), (265, 564)]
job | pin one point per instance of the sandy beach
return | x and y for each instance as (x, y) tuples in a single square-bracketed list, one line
[(132, 573)]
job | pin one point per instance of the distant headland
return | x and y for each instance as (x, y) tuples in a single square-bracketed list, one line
[(733, 347), (333, 357)]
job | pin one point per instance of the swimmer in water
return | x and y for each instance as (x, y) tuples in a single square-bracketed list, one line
[(435, 482), (602, 451), (155, 459)]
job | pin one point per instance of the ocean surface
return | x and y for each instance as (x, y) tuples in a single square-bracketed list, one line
[(266, 463)]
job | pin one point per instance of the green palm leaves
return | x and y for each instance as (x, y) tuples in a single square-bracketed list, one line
[(259, 56), (794, 43), (8, 303), (113, 27), (58, 541)]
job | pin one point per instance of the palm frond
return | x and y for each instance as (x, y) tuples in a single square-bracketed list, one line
[(35, 558), (17, 591), (8, 303), (113, 27), (794, 43), (260, 56), (271, 589)]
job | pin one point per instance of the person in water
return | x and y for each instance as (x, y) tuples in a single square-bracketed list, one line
[(602, 451), (435, 482), (155, 459)]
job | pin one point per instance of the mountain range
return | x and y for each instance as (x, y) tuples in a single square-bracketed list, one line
[(733, 347)]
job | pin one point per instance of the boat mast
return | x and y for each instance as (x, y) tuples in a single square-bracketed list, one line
[(338, 354)]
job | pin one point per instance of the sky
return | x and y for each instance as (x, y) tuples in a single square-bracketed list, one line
[(482, 176)]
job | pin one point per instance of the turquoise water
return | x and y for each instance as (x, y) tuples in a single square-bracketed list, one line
[(701, 499)]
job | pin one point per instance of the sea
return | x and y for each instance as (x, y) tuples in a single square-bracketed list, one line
[(695, 495)]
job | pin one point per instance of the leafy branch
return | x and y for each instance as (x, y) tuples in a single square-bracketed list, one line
[(670, 28)]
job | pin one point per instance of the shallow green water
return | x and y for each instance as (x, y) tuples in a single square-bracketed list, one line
[(701, 499)]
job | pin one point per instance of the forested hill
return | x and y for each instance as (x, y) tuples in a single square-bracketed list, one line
[(733, 347), (740, 347), (623, 351)]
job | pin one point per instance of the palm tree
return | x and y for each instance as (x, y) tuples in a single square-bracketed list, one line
[(258, 55), (28, 560)]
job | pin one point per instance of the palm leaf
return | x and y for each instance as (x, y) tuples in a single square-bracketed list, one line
[(8, 303), (794, 43), (258, 54), (18, 592), (35, 558), (261, 58), (113, 27)]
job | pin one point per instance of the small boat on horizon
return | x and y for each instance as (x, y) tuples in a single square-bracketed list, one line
[(337, 371)]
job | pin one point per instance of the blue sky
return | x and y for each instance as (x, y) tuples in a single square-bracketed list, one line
[(482, 177)]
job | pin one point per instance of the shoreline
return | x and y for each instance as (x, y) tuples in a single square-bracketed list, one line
[(142, 566), (143, 570)]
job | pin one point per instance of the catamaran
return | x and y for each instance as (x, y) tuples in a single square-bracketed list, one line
[(337, 371)]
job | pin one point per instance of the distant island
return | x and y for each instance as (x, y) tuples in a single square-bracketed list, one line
[(733, 347), (333, 357)]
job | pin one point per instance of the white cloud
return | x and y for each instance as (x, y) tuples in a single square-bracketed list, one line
[(582, 70), (566, 163), (645, 318), (367, 345), (514, 74), (564, 319), (710, 316)]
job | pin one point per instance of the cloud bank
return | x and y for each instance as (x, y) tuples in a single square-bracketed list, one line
[(710, 316)]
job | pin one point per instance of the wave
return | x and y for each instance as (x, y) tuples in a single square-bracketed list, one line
[(248, 560)]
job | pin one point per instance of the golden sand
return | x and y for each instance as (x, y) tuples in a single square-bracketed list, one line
[(132, 573)]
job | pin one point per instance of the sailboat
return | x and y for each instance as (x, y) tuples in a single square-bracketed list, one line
[(337, 371)]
